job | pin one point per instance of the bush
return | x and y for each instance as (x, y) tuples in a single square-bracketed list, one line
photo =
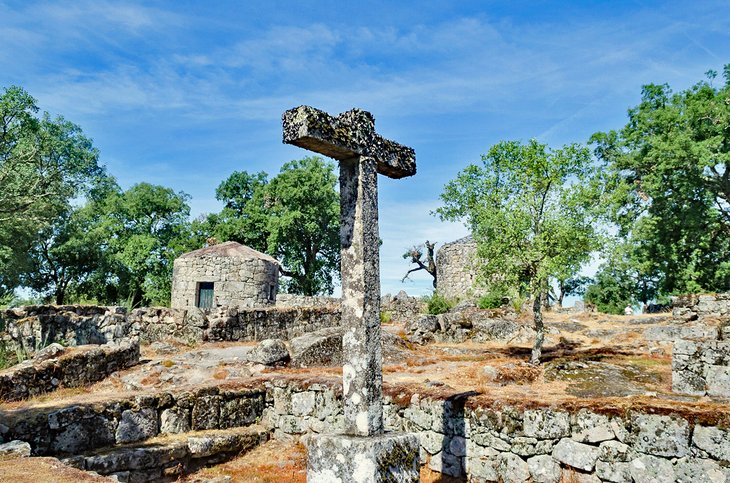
[(494, 299), (438, 304), (386, 317)]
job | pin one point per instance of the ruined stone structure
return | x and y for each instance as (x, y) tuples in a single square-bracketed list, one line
[(454, 268), (351, 139), (473, 439), (227, 274)]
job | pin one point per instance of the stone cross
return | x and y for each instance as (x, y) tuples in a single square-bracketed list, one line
[(351, 139)]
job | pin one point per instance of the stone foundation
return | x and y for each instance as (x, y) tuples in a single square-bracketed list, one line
[(459, 435), (79, 367), (391, 457)]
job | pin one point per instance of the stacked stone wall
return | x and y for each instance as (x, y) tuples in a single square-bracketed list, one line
[(455, 269), (82, 366), (293, 300), (243, 282), (459, 436), (693, 307), (33, 327)]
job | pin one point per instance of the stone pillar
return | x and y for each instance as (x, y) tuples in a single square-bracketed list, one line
[(362, 376), (365, 454)]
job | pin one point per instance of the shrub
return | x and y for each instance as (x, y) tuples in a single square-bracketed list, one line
[(386, 317), (493, 299), (438, 304)]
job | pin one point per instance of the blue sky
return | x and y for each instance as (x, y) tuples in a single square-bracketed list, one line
[(183, 93)]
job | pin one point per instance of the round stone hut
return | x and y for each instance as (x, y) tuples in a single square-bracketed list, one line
[(225, 274), (455, 269)]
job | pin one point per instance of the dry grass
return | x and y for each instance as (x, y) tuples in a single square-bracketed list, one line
[(272, 462), (36, 470)]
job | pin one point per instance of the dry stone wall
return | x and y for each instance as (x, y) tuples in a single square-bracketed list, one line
[(30, 328), (460, 437), (33, 327), (454, 269), (693, 307), (71, 368), (504, 443)]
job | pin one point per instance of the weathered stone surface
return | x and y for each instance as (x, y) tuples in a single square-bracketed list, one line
[(697, 470), (386, 457), (137, 425), (546, 424), (715, 441), (241, 276), (613, 451), (206, 412), (576, 455), (454, 269), (701, 367), (349, 135), (661, 435), (15, 448), (320, 348), (589, 427), (544, 469), (362, 376), (269, 352), (617, 472), (446, 463), (650, 469), (513, 469), (175, 420), (52, 351)]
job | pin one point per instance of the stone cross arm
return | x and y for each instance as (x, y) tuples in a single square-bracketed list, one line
[(346, 136)]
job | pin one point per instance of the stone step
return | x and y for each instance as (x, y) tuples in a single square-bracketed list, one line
[(165, 458)]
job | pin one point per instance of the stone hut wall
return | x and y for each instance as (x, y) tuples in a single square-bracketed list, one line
[(454, 269), (245, 282)]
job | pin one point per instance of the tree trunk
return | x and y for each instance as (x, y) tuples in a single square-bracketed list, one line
[(539, 328), (60, 296)]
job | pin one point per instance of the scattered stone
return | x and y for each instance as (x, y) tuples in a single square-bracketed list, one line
[(15, 448), (269, 352), (163, 348), (320, 348)]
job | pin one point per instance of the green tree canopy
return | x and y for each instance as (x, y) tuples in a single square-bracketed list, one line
[(669, 171), (45, 163), (529, 208), (294, 217)]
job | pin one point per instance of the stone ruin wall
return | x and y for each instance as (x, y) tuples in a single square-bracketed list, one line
[(33, 327), (242, 282), (701, 352), (456, 276), (459, 436)]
